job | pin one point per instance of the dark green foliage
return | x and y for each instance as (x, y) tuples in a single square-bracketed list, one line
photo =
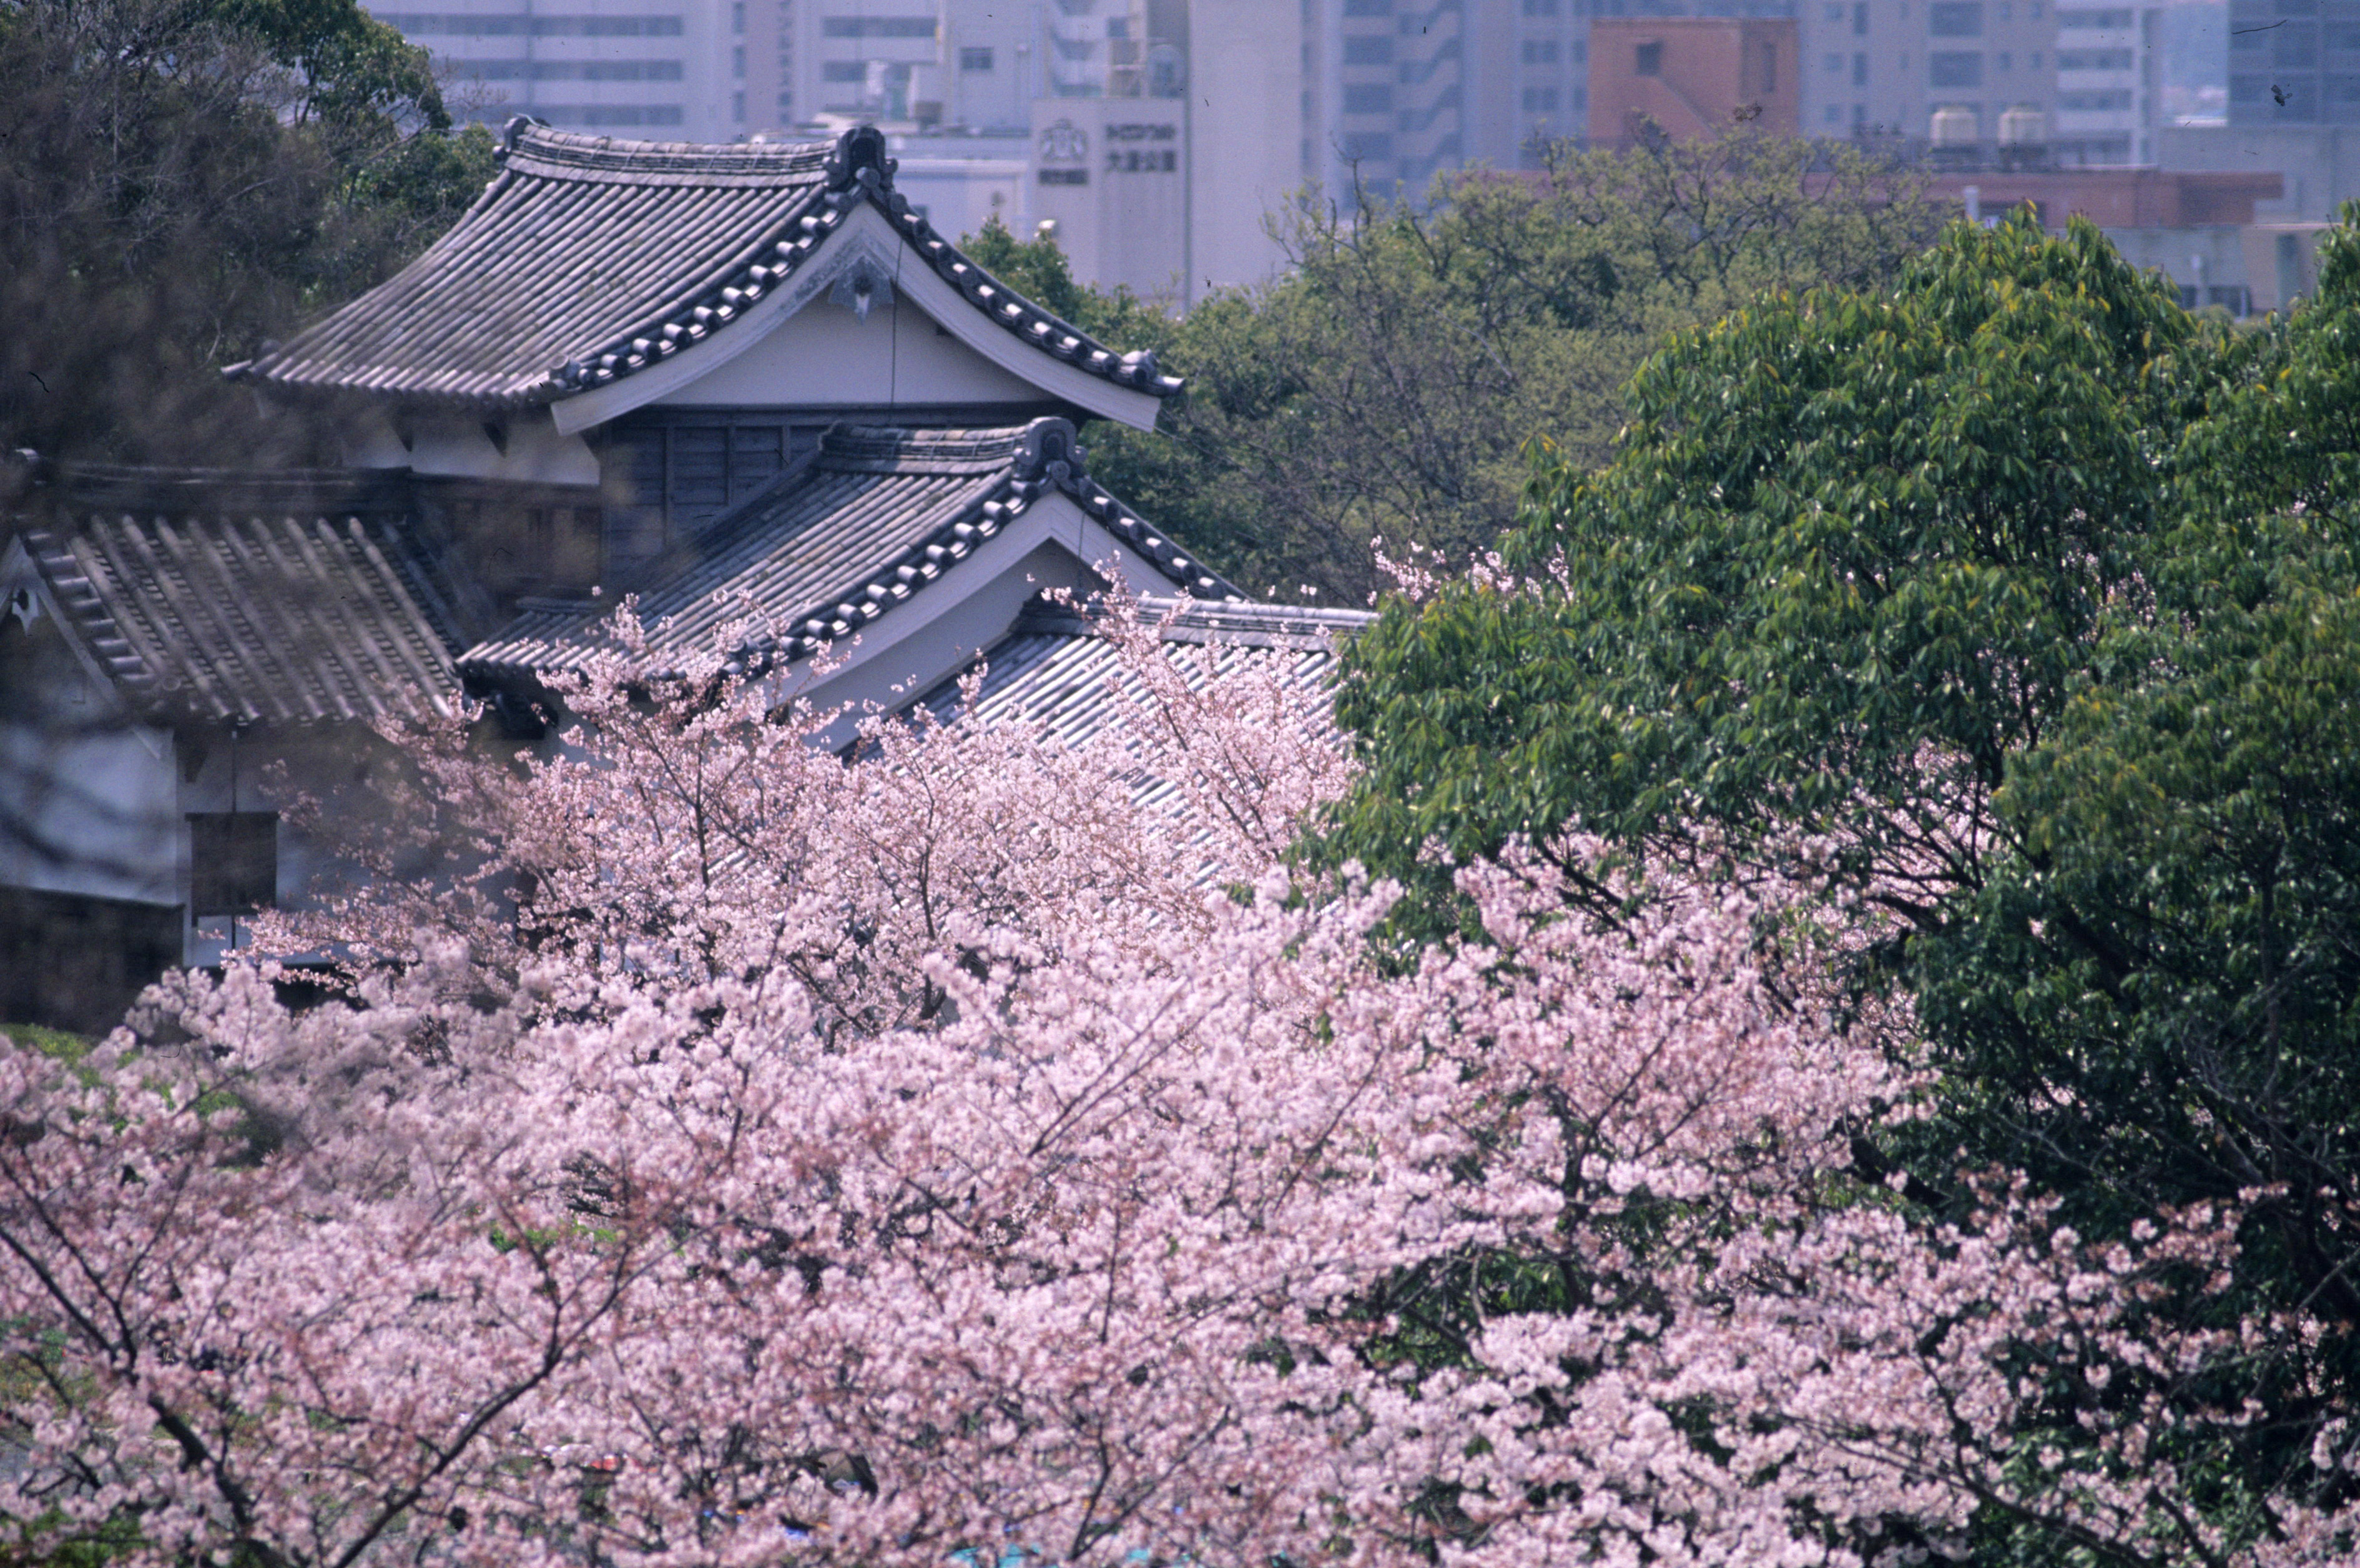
[(2026, 606), (1035, 269), (1841, 527), (1386, 386), (351, 68), (181, 179), (390, 205)]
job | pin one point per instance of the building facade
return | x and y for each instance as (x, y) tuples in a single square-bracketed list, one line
[(750, 385), (2109, 84), (633, 68), (1961, 78), (1395, 92), (1112, 181), (1853, 80), (2294, 64), (1690, 78)]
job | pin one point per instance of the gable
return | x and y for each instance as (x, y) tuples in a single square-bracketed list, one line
[(48, 673), (595, 277), (827, 356), (958, 343), (887, 555)]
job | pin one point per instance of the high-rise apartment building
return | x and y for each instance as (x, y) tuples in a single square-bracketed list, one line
[(1689, 77), (992, 64), (1397, 91), (2109, 83), (1246, 131), (1984, 60), (635, 68), (2294, 62), (1159, 168), (1863, 69), (868, 59), (1990, 81), (977, 64), (1165, 133)]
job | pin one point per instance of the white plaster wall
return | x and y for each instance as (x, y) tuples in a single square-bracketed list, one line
[(464, 449), (829, 363), (536, 454), (105, 796), (115, 795), (825, 355), (322, 768), (939, 632), (366, 439), (82, 779)]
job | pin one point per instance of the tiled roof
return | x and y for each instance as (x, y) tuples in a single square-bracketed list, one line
[(874, 518), (589, 258), (1057, 670), (287, 597)]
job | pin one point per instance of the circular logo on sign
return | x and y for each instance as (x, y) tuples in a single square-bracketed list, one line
[(1064, 142)]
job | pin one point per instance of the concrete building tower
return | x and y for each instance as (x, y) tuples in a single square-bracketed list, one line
[(633, 68)]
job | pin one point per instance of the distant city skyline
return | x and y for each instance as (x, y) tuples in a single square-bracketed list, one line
[(1392, 91), (1248, 104)]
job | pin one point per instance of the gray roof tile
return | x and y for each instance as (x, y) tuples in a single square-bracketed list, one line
[(1057, 672), (587, 258), (285, 598), (874, 518)]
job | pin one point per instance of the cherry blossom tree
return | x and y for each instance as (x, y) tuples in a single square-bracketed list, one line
[(736, 1152), (689, 827)]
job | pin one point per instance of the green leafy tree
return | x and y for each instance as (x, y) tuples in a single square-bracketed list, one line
[(1386, 386), (1841, 529), (1037, 270), (2024, 607), (350, 70), (2156, 996), (181, 179)]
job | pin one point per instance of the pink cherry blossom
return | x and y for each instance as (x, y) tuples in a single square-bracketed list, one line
[(730, 1151)]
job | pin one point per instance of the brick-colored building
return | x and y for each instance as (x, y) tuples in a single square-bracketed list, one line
[(2199, 229), (1692, 76), (2116, 197)]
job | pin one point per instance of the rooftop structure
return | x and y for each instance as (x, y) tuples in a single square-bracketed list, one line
[(589, 261), (924, 544), (2204, 231), (748, 384), (658, 67), (1691, 78), (2113, 198), (199, 663), (621, 339)]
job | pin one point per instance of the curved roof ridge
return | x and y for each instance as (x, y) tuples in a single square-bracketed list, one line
[(843, 445), (531, 147), (826, 552), (519, 304)]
